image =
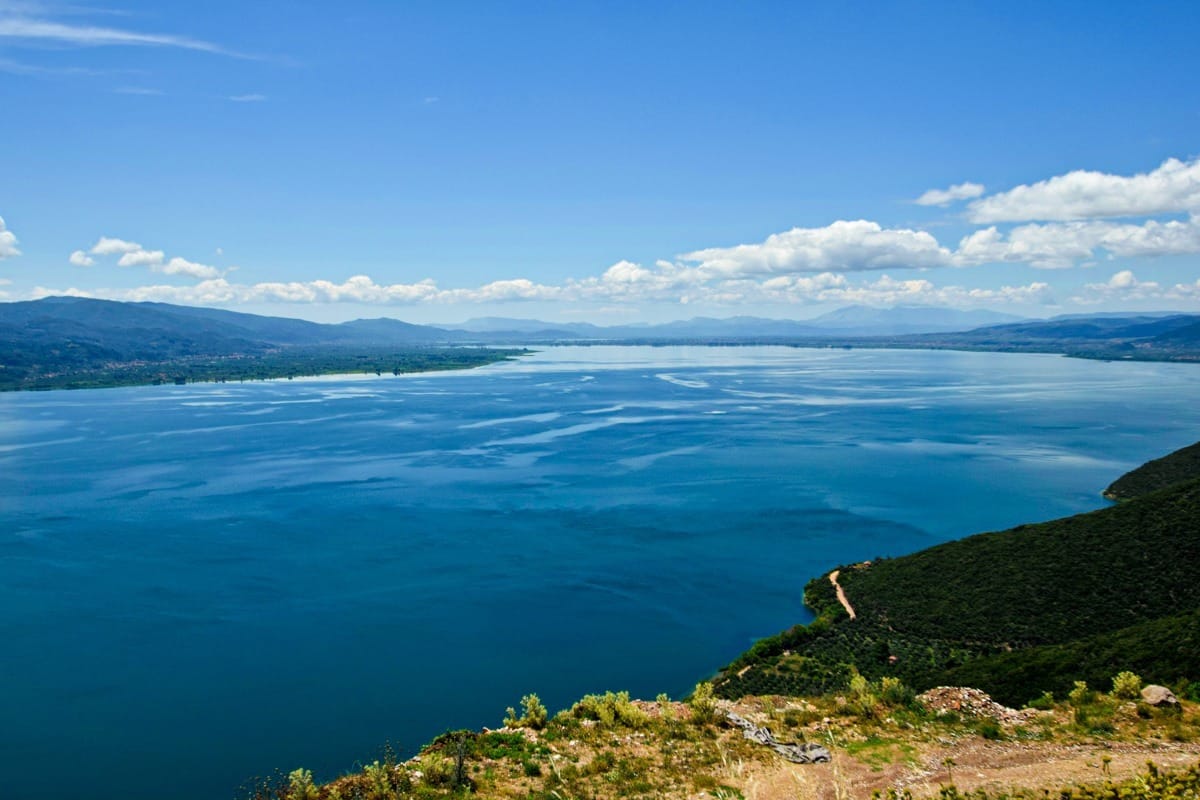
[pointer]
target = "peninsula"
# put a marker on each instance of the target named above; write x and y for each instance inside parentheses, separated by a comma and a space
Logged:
(1078, 639)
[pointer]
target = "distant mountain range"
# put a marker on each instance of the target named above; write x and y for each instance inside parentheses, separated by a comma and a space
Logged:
(849, 321)
(1170, 337)
(151, 331)
(59, 336)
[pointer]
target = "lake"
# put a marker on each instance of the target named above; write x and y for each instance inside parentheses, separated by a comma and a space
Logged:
(203, 583)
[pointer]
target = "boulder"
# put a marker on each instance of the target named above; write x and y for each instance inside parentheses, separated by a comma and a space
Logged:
(1156, 695)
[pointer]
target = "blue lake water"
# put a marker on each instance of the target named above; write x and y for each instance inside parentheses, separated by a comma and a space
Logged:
(203, 583)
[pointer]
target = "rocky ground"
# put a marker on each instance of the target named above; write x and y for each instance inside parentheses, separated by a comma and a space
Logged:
(613, 747)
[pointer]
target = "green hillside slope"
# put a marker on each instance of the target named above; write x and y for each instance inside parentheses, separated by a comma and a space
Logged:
(1014, 612)
(73, 342)
(1182, 465)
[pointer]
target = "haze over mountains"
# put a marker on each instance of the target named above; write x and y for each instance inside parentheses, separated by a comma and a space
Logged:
(61, 336)
(848, 321)
(156, 330)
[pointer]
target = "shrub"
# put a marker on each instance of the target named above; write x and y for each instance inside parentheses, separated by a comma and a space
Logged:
(610, 709)
(535, 715)
(1043, 703)
(863, 701)
(1127, 686)
(665, 709)
(1081, 695)
(990, 729)
(301, 786)
(894, 693)
(703, 704)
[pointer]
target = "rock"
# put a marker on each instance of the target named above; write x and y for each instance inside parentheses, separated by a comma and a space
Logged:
(972, 702)
(803, 753)
(1156, 695)
(797, 753)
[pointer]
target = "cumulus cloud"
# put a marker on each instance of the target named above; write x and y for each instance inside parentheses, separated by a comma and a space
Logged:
(801, 265)
(944, 197)
(791, 289)
(1058, 245)
(8, 242)
(181, 266)
(219, 291)
(107, 246)
(1173, 187)
(1123, 285)
(844, 246)
(1184, 291)
(142, 258)
(832, 288)
(133, 254)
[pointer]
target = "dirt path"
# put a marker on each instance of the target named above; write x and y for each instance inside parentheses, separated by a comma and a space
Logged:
(841, 595)
(995, 767)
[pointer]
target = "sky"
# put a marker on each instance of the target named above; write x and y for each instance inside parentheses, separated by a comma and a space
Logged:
(610, 162)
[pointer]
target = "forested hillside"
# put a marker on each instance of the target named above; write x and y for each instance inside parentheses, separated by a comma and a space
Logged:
(1015, 612)
(1182, 465)
(72, 342)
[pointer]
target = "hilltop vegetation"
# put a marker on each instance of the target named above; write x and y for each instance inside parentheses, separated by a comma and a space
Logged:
(882, 738)
(1016, 613)
(75, 343)
(1177, 467)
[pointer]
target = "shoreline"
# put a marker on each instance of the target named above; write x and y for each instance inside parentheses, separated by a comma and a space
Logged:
(407, 362)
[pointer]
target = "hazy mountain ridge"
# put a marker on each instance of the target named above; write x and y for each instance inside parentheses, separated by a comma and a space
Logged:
(1157, 337)
(851, 320)
(69, 342)
(60, 336)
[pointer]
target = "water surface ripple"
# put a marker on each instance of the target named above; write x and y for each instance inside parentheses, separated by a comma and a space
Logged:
(203, 583)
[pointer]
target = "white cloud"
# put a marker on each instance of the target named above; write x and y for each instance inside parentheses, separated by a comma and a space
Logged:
(25, 28)
(106, 246)
(1184, 291)
(844, 246)
(502, 291)
(219, 291)
(832, 288)
(8, 242)
(1173, 187)
(626, 281)
(181, 266)
(944, 197)
(142, 258)
(1153, 238)
(134, 255)
(248, 98)
(19, 68)
(823, 288)
(1058, 245)
(1123, 285)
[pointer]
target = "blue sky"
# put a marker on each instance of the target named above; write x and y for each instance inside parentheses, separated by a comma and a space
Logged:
(602, 161)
